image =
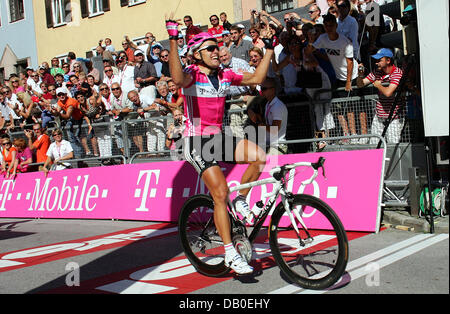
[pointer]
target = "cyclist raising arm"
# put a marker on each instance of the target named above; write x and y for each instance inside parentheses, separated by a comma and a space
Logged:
(204, 89)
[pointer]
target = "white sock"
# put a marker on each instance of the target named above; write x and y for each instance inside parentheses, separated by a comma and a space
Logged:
(230, 250)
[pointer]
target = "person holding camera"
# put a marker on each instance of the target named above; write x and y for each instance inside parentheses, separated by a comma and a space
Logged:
(176, 129)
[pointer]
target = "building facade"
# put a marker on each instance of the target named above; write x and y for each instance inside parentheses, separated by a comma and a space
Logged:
(18, 48)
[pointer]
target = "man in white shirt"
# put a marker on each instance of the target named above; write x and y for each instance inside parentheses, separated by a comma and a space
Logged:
(142, 104)
(58, 151)
(348, 26)
(276, 117)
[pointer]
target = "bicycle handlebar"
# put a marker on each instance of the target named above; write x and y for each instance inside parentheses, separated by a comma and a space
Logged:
(279, 172)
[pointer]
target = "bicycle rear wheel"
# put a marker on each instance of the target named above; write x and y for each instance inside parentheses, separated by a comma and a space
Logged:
(199, 237)
(318, 258)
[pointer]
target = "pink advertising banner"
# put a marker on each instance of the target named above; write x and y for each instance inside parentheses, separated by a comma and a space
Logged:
(156, 191)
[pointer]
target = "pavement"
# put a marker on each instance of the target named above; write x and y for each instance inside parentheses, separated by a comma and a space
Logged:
(403, 220)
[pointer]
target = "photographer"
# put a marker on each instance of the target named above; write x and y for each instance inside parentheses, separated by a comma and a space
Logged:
(176, 129)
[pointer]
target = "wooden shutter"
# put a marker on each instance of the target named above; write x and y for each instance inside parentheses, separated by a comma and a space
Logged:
(105, 4)
(49, 13)
(84, 6)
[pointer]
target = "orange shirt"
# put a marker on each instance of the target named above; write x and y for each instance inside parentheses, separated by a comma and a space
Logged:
(8, 158)
(76, 113)
(41, 145)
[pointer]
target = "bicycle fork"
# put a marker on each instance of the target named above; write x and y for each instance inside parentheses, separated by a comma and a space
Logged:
(286, 198)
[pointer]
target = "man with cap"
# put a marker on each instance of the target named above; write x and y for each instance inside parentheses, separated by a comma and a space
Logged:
(144, 72)
(69, 110)
(385, 73)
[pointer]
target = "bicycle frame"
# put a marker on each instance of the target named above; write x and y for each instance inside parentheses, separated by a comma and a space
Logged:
(278, 178)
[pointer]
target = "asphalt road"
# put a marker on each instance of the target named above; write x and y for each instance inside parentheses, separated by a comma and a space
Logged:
(91, 257)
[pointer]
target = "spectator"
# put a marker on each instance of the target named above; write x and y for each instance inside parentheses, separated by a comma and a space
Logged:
(55, 69)
(24, 155)
(33, 82)
(79, 86)
(126, 73)
(386, 72)
(223, 18)
(291, 60)
(237, 65)
(104, 132)
(154, 59)
(340, 52)
(38, 141)
(256, 41)
(59, 78)
(67, 71)
(45, 75)
(91, 107)
(145, 75)
(348, 26)
(322, 4)
(108, 63)
(94, 72)
(146, 47)
(156, 134)
(176, 129)
(322, 114)
(69, 110)
(9, 155)
(58, 151)
(71, 59)
(191, 29)
(121, 107)
(128, 50)
(110, 78)
(13, 103)
(91, 81)
(77, 69)
(16, 85)
(7, 119)
(240, 47)
(276, 117)
(216, 29)
(104, 53)
(164, 58)
(176, 101)
(108, 45)
(315, 16)
(141, 104)
(226, 38)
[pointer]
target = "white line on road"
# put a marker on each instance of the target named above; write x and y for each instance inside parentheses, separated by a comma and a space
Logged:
(357, 268)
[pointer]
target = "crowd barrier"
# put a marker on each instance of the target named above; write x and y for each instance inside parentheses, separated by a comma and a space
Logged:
(143, 140)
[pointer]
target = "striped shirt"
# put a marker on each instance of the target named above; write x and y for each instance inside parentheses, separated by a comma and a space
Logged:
(384, 104)
(204, 106)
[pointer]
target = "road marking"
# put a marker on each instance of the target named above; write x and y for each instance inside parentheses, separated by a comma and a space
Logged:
(357, 268)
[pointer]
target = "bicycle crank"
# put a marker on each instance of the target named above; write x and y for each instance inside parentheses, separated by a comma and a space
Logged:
(243, 247)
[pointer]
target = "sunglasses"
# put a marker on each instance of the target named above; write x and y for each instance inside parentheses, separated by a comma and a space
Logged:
(209, 48)
(116, 88)
(57, 134)
(104, 88)
(109, 70)
(164, 56)
(4, 144)
(61, 95)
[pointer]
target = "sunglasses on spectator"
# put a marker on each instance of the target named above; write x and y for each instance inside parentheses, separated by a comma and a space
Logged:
(209, 48)
(61, 95)
(164, 56)
(104, 88)
(7, 143)
(311, 12)
(115, 88)
(185, 21)
(57, 134)
(108, 70)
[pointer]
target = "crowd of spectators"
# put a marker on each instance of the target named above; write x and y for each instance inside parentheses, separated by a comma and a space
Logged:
(135, 83)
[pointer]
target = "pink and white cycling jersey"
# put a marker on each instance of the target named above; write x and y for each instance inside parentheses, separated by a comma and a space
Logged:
(204, 106)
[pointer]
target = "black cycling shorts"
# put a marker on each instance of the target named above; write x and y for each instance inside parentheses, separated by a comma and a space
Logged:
(203, 152)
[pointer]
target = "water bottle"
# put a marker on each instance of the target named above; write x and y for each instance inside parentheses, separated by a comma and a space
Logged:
(255, 212)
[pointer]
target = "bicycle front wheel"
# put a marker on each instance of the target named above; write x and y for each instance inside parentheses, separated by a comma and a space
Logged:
(199, 237)
(316, 257)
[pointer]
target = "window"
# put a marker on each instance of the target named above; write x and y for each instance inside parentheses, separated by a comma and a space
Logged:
(91, 8)
(124, 3)
(95, 7)
(272, 6)
(61, 10)
(16, 10)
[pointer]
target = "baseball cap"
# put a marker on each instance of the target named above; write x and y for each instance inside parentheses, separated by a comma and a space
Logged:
(225, 32)
(383, 52)
(137, 52)
(240, 26)
(61, 90)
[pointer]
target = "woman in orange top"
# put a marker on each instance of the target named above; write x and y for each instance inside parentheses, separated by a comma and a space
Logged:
(9, 165)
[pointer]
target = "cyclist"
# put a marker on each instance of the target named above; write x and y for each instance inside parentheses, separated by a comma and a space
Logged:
(204, 86)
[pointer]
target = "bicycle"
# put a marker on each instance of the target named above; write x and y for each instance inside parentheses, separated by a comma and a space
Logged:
(313, 259)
